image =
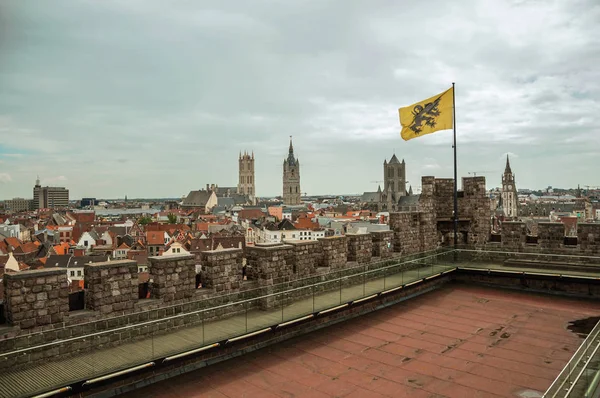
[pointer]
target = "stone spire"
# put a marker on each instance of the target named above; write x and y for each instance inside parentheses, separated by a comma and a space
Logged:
(507, 170)
(291, 160)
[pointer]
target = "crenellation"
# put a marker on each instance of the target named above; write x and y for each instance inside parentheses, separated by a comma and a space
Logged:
(166, 287)
(360, 248)
(551, 236)
(222, 269)
(335, 252)
(112, 287)
(588, 237)
(514, 235)
(307, 255)
(382, 243)
(28, 303)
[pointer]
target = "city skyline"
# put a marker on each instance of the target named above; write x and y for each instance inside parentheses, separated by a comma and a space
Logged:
(164, 100)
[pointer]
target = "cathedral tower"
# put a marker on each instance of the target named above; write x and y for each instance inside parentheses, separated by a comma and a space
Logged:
(291, 178)
(394, 177)
(510, 200)
(246, 175)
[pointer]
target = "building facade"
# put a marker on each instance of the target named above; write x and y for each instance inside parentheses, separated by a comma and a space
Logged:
(291, 179)
(18, 204)
(246, 175)
(49, 197)
(508, 195)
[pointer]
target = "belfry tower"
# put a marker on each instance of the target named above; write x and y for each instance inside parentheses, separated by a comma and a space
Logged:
(246, 175)
(291, 178)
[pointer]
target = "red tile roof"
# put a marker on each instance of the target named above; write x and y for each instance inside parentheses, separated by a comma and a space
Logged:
(249, 214)
(155, 238)
(14, 242)
(61, 249)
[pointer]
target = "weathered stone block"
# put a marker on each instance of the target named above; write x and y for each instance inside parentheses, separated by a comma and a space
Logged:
(107, 284)
(27, 300)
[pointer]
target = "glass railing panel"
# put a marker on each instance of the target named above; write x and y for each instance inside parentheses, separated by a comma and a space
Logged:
(353, 287)
(299, 304)
(327, 295)
(224, 322)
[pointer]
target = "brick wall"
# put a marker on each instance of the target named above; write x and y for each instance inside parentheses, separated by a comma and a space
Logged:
(360, 247)
(36, 298)
(112, 287)
(173, 277)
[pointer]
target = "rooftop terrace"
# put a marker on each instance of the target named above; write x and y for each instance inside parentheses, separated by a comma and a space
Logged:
(458, 341)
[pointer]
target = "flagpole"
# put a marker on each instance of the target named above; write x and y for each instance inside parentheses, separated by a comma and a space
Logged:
(455, 171)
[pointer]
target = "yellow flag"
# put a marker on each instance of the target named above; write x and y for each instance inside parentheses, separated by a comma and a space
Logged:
(428, 116)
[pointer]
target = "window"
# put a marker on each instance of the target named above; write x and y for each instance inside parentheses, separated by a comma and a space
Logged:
(85, 243)
(72, 273)
(78, 273)
(290, 189)
(296, 189)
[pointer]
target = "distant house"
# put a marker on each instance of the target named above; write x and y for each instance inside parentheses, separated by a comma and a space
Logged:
(88, 239)
(175, 248)
(204, 199)
(155, 242)
(74, 265)
(77, 264)
(120, 253)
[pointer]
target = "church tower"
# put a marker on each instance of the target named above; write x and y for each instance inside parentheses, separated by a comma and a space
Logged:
(394, 177)
(246, 175)
(291, 178)
(510, 200)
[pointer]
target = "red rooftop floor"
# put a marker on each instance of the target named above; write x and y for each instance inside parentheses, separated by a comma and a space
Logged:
(459, 341)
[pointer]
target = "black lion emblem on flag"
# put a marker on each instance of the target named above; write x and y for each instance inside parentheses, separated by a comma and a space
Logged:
(425, 116)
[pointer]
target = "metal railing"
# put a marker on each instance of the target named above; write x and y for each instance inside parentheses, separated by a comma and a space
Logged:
(580, 376)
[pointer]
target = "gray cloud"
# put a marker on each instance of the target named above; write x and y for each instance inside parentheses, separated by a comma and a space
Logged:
(154, 98)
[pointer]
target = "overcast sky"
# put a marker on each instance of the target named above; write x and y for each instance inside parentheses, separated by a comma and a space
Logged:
(154, 98)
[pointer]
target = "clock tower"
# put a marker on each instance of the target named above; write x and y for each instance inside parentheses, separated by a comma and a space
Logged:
(510, 199)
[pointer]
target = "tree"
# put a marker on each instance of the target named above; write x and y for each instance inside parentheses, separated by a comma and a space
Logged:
(145, 220)
(172, 218)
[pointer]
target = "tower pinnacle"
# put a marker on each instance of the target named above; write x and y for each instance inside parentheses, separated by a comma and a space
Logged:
(507, 169)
